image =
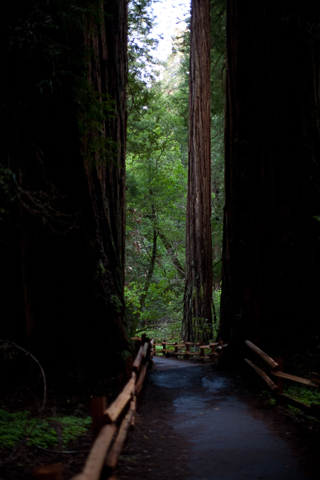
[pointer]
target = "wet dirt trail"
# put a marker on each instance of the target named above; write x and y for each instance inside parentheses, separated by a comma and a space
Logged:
(191, 425)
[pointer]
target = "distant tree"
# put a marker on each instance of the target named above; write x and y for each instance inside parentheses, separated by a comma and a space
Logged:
(62, 151)
(271, 259)
(156, 178)
(197, 317)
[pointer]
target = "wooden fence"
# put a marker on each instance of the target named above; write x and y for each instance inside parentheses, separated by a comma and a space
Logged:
(276, 371)
(110, 425)
(189, 349)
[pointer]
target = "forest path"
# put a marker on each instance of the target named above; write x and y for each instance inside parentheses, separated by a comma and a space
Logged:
(192, 425)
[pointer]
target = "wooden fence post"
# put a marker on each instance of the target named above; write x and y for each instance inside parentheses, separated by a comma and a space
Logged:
(48, 472)
(98, 407)
(279, 380)
(202, 347)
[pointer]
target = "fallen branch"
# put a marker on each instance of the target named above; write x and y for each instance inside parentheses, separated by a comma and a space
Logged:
(37, 362)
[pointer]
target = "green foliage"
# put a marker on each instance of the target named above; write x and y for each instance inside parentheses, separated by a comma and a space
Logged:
(166, 331)
(156, 199)
(40, 432)
(141, 64)
(303, 394)
(270, 399)
(157, 159)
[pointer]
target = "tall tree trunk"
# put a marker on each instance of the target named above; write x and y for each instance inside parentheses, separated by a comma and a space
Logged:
(198, 287)
(271, 259)
(63, 289)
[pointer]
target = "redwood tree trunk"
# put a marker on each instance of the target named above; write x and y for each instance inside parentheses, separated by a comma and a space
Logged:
(63, 238)
(271, 259)
(197, 318)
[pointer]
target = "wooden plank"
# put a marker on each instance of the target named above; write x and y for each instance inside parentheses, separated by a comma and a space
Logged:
(191, 343)
(141, 378)
(168, 343)
(145, 349)
(263, 355)
(133, 406)
(294, 378)
(315, 377)
(279, 380)
(115, 409)
(191, 353)
(263, 375)
(96, 457)
(98, 407)
(114, 453)
(137, 362)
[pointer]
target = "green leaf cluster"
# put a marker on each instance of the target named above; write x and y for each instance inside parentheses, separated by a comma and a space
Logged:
(40, 432)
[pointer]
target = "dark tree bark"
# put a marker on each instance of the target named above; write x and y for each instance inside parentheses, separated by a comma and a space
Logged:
(62, 246)
(271, 259)
(198, 286)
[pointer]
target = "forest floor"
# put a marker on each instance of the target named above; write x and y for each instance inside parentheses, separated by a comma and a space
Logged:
(193, 422)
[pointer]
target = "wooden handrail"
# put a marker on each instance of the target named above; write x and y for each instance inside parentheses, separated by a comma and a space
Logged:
(114, 411)
(263, 355)
(263, 375)
(188, 353)
(97, 455)
(295, 378)
(314, 410)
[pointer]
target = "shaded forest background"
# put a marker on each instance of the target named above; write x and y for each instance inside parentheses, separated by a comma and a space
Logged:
(93, 188)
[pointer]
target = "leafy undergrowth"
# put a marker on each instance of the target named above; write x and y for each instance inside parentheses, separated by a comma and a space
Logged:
(166, 332)
(303, 394)
(46, 433)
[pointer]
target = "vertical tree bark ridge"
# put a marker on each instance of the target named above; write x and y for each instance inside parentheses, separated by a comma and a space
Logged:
(271, 253)
(198, 287)
(106, 176)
